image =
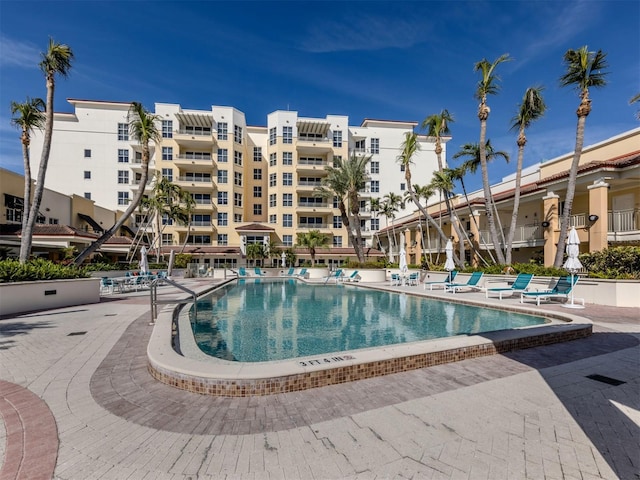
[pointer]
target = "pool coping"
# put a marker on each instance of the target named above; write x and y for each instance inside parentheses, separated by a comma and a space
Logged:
(236, 379)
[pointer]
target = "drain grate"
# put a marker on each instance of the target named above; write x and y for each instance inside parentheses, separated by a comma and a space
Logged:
(73, 334)
(601, 378)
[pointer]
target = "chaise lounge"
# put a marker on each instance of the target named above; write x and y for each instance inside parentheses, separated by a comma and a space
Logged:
(560, 290)
(520, 284)
(472, 283)
(450, 278)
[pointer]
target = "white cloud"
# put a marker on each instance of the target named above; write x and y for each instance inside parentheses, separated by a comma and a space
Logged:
(18, 54)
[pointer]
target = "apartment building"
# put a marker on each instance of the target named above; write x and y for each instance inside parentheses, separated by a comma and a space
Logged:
(249, 183)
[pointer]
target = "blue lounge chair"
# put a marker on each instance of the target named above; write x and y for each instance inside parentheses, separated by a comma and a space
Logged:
(242, 272)
(289, 273)
(396, 279)
(413, 279)
(258, 271)
(472, 283)
(302, 273)
(336, 275)
(354, 277)
(520, 284)
(560, 290)
(450, 278)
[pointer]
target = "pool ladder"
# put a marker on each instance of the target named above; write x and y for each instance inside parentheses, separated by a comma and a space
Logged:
(155, 302)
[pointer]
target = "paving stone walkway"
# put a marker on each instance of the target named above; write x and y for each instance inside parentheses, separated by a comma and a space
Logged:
(531, 414)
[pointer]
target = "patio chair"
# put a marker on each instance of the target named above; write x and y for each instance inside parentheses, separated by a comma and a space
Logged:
(450, 278)
(242, 272)
(396, 279)
(354, 277)
(106, 285)
(289, 273)
(560, 290)
(334, 275)
(520, 284)
(302, 273)
(413, 279)
(472, 283)
(258, 271)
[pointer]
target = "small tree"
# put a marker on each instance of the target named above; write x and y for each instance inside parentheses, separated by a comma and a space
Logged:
(312, 239)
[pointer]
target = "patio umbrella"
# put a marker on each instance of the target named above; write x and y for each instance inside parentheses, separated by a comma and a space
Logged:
(144, 263)
(283, 260)
(572, 265)
(449, 266)
(172, 259)
(403, 260)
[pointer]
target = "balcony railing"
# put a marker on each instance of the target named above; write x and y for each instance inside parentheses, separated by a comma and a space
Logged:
(314, 162)
(312, 205)
(195, 179)
(314, 226)
(201, 223)
(192, 157)
(529, 234)
(624, 220)
(194, 133)
(307, 183)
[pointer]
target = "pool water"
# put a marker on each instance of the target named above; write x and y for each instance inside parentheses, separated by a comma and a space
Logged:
(257, 321)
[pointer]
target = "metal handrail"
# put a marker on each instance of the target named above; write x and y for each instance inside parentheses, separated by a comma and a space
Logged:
(153, 294)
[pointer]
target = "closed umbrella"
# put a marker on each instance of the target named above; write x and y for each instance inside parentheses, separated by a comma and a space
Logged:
(172, 259)
(283, 260)
(449, 266)
(573, 265)
(403, 260)
(144, 263)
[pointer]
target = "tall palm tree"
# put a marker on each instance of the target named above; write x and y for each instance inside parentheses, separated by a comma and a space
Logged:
(27, 116)
(344, 180)
(143, 127)
(408, 149)
(56, 61)
(164, 202)
(584, 70)
(424, 193)
(488, 85)
(531, 109)
(391, 204)
(437, 125)
(188, 203)
(312, 239)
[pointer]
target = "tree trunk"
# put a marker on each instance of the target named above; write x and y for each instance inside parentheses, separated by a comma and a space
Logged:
(26, 203)
(347, 224)
(522, 141)
(27, 233)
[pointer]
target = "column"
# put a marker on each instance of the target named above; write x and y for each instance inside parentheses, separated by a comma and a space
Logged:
(551, 225)
(598, 221)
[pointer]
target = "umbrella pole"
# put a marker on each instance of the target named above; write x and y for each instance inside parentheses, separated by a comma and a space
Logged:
(572, 304)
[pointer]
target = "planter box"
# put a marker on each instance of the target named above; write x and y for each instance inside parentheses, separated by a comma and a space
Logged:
(21, 297)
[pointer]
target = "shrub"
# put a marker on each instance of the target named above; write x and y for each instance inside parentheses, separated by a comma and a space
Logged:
(614, 262)
(182, 260)
(38, 269)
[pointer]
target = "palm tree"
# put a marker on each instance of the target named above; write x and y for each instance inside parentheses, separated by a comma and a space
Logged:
(424, 193)
(56, 61)
(530, 110)
(255, 251)
(409, 148)
(143, 128)
(312, 239)
(188, 203)
(584, 70)
(344, 180)
(437, 125)
(391, 204)
(635, 99)
(488, 86)
(27, 116)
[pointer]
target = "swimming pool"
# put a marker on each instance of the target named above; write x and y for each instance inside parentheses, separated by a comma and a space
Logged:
(262, 321)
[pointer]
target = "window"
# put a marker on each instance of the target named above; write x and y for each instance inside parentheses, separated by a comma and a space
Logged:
(375, 145)
(167, 153)
(273, 219)
(199, 239)
(223, 198)
(123, 176)
(53, 221)
(123, 198)
(375, 167)
(375, 224)
(237, 178)
(123, 132)
(87, 153)
(237, 134)
(287, 179)
(272, 136)
(287, 220)
(223, 219)
(337, 159)
(337, 241)
(273, 202)
(257, 209)
(273, 180)
(237, 218)
(336, 202)
(287, 240)
(200, 220)
(166, 220)
(287, 158)
(257, 174)
(167, 128)
(197, 130)
(197, 155)
(138, 156)
(402, 167)
(257, 192)
(287, 134)
(360, 146)
(167, 238)
(257, 154)
(167, 173)
(403, 187)
(272, 159)
(223, 155)
(197, 177)
(337, 221)
(287, 199)
(223, 239)
(222, 131)
(87, 195)
(201, 198)
(237, 199)
(123, 155)
(14, 207)
(87, 175)
(337, 138)
(223, 176)
(375, 186)
(237, 158)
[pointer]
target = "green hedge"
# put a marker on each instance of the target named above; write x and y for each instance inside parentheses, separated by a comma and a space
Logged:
(38, 269)
(616, 262)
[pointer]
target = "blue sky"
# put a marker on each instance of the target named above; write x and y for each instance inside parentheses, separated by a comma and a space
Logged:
(384, 60)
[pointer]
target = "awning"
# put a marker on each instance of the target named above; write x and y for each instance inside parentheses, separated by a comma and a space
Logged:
(313, 127)
(95, 225)
(194, 120)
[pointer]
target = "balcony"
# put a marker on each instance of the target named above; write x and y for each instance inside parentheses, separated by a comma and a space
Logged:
(204, 206)
(308, 185)
(196, 227)
(314, 145)
(196, 139)
(312, 165)
(195, 184)
(314, 226)
(528, 235)
(194, 164)
(624, 225)
(311, 207)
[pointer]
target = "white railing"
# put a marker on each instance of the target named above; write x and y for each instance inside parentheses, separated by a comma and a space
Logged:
(528, 233)
(624, 220)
